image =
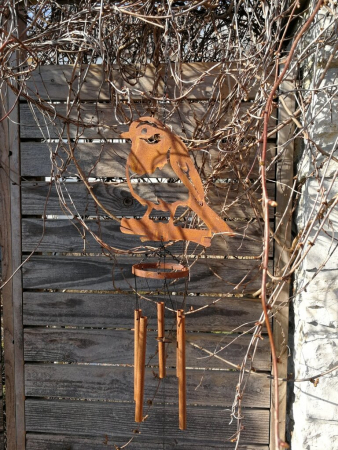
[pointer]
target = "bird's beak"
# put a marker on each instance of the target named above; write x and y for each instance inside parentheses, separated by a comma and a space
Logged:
(125, 135)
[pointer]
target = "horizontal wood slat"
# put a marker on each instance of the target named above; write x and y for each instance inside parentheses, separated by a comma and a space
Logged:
(118, 199)
(115, 311)
(67, 236)
(117, 419)
(52, 82)
(99, 273)
(116, 347)
(99, 121)
(109, 160)
(54, 442)
(207, 388)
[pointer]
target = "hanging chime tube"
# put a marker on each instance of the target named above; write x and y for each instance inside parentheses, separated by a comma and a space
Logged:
(160, 339)
(137, 315)
(182, 401)
(178, 314)
(142, 341)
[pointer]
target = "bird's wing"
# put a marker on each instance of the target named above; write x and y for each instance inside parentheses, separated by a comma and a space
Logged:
(185, 169)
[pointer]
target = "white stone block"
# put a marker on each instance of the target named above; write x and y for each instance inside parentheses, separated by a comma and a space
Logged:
(324, 252)
(323, 131)
(315, 435)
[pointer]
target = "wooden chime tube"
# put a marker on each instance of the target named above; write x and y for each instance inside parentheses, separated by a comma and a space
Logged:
(142, 341)
(137, 315)
(182, 397)
(160, 338)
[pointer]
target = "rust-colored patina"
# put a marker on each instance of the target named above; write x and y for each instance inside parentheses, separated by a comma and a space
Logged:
(154, 146)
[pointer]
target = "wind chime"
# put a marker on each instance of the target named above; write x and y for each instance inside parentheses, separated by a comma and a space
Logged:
(154, 146)
(159, 271)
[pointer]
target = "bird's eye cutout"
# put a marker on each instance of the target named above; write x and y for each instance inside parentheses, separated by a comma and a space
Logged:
(154, 139)
(144, 131)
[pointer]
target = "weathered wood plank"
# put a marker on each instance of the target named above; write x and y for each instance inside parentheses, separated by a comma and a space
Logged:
(207, 275)
(284, 178)
(117, 420)
(67, 236)
(16, 229)
(59, 442)
(1, 402)
(229, 198)
(98, 121)
(206, 388)
(116, 347)
(10, 217)
(115, 310)
(1, 416)
(7, 264)
(109, 160)
(52, 82)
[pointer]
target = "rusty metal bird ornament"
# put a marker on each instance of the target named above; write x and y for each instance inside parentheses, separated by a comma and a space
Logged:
(154, 146)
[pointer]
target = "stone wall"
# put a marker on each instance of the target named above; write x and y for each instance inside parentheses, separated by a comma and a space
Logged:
(315, 339)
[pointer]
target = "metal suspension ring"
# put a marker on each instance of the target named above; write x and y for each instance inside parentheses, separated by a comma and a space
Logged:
(164, 271)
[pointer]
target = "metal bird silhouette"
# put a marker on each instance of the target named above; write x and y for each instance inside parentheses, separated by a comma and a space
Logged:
(154, 146)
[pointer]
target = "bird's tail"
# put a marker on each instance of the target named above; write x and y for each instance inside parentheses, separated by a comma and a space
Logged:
(214, 222)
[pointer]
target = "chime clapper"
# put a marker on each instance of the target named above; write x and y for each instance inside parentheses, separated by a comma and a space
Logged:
(160, 338)
(141, 360)
(182, 401)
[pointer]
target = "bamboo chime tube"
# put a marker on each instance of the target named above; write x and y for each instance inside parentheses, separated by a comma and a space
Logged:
(141, 353)
(182, 401)
(160, 337)
(137, 315)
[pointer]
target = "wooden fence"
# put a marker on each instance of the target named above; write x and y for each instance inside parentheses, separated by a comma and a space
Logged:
(68, 314)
